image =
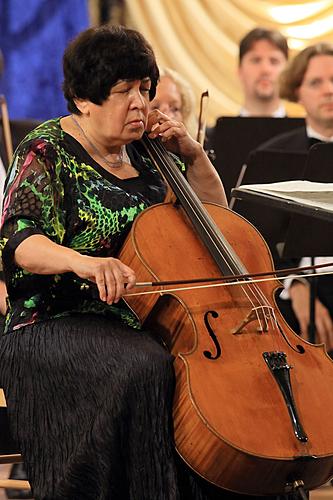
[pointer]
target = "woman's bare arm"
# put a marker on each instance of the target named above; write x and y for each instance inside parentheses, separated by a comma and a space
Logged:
(40, 255)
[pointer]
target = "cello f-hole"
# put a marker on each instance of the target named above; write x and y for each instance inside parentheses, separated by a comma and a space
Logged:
(212, 335)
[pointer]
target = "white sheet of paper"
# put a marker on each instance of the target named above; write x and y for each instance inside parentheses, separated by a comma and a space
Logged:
(316, 194)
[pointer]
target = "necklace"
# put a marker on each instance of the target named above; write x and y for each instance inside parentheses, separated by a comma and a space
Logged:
(112, 164)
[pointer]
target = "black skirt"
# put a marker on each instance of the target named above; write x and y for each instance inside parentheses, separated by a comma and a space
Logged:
(90, 405)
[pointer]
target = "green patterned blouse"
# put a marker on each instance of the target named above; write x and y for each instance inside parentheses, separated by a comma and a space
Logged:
(56, 189)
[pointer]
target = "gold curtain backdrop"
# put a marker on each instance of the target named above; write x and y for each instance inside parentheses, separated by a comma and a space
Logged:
(199, 38)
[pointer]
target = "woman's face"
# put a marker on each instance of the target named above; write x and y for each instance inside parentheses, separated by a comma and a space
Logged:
(122, 117)
(168, 99)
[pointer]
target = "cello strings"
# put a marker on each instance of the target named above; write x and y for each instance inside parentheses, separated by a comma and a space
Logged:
(260, 297)
(213, 232)
(191, 201)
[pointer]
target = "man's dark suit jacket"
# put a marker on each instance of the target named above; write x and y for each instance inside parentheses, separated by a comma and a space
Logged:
(296, 140)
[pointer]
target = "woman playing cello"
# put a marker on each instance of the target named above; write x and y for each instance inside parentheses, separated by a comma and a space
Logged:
(89, 392)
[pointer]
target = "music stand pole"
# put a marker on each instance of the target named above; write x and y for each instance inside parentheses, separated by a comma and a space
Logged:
(313, 295)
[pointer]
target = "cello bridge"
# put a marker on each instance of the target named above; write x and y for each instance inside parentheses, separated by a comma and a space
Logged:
(261, 314)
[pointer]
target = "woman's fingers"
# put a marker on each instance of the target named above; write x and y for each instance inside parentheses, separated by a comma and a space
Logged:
(162, 125)
(110, 285)
(111, 276)
(101, 284)
(118, 279)
(119, 284)
(155, 118)
(130, 279)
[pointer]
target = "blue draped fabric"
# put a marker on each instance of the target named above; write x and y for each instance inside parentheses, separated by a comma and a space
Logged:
(33, 35)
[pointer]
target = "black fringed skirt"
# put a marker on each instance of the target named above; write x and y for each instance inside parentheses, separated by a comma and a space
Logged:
(90, 405)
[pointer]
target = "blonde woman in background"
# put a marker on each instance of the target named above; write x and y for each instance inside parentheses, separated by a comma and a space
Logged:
(175, 97)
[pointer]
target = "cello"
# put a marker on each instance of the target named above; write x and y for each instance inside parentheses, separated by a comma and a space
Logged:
(253, 401)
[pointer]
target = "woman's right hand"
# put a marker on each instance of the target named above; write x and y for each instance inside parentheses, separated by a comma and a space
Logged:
(38, 254)
(112, 277)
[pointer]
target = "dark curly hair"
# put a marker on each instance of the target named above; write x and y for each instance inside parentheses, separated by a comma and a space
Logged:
(98, 57)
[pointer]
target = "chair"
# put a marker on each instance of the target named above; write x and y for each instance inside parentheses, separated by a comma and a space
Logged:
(17, 129)
(9, 453)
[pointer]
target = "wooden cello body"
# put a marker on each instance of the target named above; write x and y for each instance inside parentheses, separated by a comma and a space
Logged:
(253, 401)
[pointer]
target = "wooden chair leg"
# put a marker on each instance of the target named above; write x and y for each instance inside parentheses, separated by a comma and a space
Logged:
(16, 484)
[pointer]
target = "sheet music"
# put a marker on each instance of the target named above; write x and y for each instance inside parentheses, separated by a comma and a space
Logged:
(314, 194)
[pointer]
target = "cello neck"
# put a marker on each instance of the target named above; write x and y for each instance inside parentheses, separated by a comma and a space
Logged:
(209, 233)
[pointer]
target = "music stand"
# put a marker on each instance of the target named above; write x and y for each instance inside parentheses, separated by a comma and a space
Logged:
(234, 137)
(297, 243)
(318, 168)
(269, 166)
(19, 129)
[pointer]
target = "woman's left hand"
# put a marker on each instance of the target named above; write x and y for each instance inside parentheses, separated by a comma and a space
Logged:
(174, 135)
(200, 173)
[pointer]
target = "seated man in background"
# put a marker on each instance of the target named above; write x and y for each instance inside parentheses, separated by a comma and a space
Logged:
(263, 54)
(308, 80)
